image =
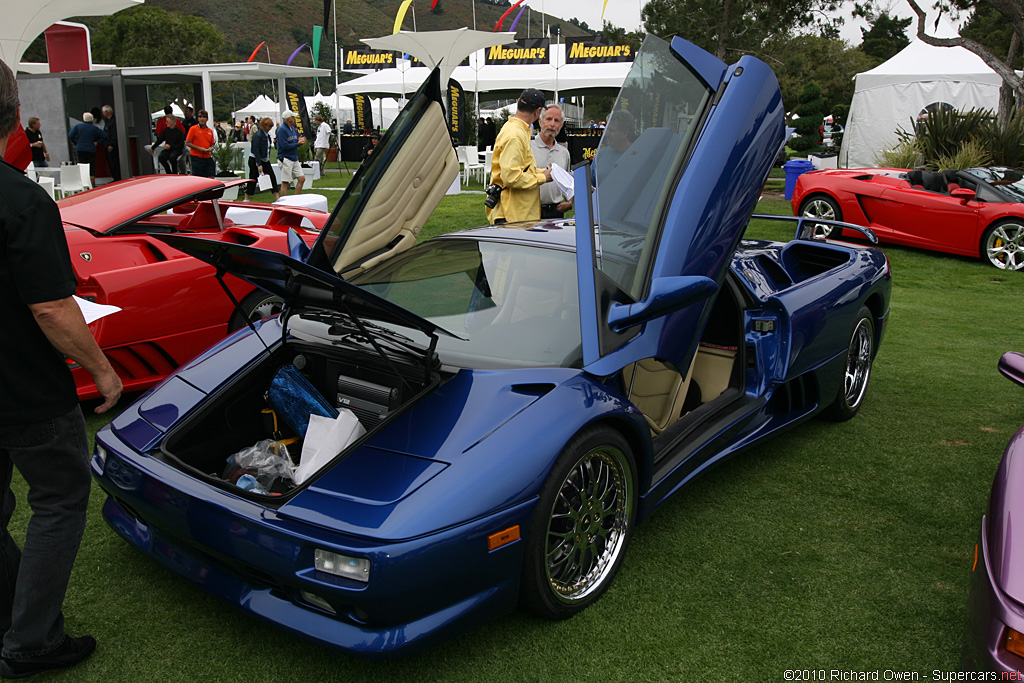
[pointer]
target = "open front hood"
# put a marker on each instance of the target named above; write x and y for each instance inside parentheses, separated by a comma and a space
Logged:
(109, 207)
(299, 284)
(395, 191)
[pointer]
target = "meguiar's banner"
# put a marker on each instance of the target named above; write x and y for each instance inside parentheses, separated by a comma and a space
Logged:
(367, 58)
(455, 105)
(364, 114)
(297, 103)
(523, 51)
(592, 49)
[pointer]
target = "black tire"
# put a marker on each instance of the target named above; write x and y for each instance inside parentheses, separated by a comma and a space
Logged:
(256, 306)
(1002, 244)
(581, 526)
(822, 206)
(860, 354)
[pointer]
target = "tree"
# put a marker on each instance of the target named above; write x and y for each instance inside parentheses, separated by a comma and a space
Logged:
(1012, 14)
(728, 27)
(831, 64)
(886, 37)
(144, 36)
(808, 126)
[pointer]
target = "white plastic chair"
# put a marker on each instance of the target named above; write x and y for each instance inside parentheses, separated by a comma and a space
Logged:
(488, 158)
(70, 180)
(30, 171)
(47, 184)
(86, 179)
(469, 161)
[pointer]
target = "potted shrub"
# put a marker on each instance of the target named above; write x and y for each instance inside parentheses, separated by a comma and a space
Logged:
(229, 160)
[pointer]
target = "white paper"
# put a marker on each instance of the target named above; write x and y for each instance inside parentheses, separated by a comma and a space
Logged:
(263, 182)
(93, 311)
(564, 180)
(324, 439)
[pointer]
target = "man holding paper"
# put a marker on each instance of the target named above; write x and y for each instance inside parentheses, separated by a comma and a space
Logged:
(549, 153)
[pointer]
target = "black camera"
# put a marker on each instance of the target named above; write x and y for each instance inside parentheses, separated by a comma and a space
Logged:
(493, 195)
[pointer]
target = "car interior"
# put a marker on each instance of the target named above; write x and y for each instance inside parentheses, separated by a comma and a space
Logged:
(665, 396)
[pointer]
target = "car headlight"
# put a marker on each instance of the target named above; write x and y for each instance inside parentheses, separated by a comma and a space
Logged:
(1015, 642)
(100, 456)
(355, 568)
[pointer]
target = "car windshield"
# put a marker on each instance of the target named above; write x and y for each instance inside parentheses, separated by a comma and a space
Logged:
(515, 305)
(1009, 180)
(639, 158)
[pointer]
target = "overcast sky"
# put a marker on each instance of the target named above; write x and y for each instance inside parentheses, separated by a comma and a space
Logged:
(626, 13)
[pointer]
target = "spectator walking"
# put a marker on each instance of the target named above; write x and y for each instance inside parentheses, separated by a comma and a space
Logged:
(259, 160)
(322, 142)
(288, 141)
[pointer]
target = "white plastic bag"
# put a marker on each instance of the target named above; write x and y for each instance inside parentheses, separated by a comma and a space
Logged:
(263, 182)
(324, 439)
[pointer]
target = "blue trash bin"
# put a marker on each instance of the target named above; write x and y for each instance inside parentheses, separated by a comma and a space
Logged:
(794, 168)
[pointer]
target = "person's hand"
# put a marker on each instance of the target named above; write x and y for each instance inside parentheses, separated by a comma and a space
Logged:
(563, 207)
(547, 175)
(166, 146)
(110, 149)
(47, 156)
(108, 384)
(302, 139)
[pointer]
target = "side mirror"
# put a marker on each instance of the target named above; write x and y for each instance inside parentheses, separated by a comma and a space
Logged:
(667, 294)
(963, 194)
(1012, 366)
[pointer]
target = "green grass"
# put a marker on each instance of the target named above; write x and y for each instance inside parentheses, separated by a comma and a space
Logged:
(835, 546)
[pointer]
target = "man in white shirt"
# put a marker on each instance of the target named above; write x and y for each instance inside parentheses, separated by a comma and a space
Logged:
(548, 151)
(322, 142)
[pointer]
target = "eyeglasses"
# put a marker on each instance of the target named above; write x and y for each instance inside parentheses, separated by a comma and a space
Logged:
(203, 116)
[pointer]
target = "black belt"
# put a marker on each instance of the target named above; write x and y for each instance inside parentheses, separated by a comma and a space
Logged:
(548, 207)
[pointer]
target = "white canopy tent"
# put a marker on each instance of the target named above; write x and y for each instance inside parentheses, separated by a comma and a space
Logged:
(385, 109)
(260, 107)
(24, 21)
(893, 94)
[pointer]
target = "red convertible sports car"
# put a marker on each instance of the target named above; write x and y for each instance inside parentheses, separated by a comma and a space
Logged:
(973, 212)
(172, 305)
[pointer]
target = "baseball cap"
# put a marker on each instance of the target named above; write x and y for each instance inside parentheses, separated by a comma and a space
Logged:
(532, 98)
(288, 114)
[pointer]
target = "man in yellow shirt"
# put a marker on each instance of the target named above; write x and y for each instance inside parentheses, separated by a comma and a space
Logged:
(513, 167)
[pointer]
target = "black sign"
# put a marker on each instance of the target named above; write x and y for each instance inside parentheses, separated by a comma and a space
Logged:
(367, 58)
(456, 106)
(297, 103)
(595, 49)
(523, 51)
(364, 114)
(416, 61)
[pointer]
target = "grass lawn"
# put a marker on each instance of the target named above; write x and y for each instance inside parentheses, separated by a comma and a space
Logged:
(834, 546)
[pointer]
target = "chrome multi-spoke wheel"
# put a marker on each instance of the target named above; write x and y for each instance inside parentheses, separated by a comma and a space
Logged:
(582, 525)
(820, 206)
(1003, 245)
(256, 306)
(857, 371)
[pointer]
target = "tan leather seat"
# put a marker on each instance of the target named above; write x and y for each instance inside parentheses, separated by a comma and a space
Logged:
(712, 369)
(658, 390)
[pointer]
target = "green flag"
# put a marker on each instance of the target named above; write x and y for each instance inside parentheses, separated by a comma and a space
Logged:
(317, 32)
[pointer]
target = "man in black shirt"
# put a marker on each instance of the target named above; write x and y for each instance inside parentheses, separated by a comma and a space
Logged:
(42, 430)
(40, 156)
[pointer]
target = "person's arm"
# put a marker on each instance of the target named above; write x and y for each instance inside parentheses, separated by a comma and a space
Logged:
(190, 137)
(62, 323)
(513, 163)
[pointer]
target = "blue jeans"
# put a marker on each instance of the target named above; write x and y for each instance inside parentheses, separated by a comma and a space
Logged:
(53, 457)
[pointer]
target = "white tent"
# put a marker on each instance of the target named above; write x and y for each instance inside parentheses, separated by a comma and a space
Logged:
(893, 94)
(260, 107)
(385, 110)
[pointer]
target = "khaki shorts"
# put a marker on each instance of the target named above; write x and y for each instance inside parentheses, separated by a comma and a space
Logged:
(290, 170)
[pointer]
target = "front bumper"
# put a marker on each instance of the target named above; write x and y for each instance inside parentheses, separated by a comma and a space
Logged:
(421, 590)
(990, 613)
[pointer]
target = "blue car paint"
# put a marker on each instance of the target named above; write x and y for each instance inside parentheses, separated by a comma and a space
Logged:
(470, 457)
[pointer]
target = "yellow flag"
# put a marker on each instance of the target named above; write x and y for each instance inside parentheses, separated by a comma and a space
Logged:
(400, 17)
(603, 9)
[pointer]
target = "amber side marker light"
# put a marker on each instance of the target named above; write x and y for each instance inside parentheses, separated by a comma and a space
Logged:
(1015, 642)
(495, 541)
(975, 565)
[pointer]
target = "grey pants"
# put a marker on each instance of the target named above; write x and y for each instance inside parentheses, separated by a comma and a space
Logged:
(53, 457)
